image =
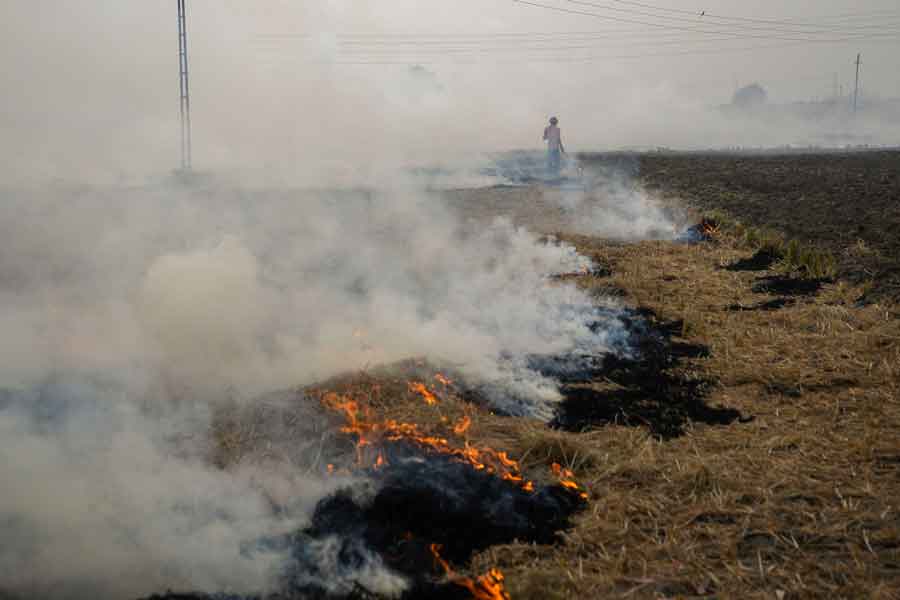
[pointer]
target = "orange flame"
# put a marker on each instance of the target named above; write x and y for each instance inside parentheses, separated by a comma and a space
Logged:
(430, 399)
(484, 587)
(438, 559)
(370, 433)
(443, 380)
(462, 425)
(709, 227)
(567, 479)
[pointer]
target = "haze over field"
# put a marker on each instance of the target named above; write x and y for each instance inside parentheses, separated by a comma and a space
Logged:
(136, 304)
(91, 88)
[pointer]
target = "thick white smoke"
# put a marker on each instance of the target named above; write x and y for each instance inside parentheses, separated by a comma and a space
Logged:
(133, 309)
(614, 205)
(132, 313)
(95, 505)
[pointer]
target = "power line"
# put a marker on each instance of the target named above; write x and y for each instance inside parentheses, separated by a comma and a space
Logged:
(531, 38)
(502, 36)
(790, 21)
(651, 24)
(380, 51)
(538, 42)
(396, 46)
(568, 60)
(779, 26)
(550, 50)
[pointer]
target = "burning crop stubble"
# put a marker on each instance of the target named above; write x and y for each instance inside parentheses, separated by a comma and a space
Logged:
(133, 313)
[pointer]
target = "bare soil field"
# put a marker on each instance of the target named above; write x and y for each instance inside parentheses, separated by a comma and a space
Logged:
(848, 204)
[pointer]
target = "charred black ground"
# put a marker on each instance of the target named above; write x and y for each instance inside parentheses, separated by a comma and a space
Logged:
(642, 390)
(424, 500)
(761, 260)
(394, 514)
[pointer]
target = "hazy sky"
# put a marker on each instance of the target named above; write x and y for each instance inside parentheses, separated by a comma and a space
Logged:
(123, 301)
(281, 80)
(779, 57)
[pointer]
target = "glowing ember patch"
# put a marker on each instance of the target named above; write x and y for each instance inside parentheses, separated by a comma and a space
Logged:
(462, 425)
(485, 587)
(506, 460)
(567, 479)
(430, 399)
(443, 380)
(380, 444)
(371, 433)
(438, 560)
(709, 228)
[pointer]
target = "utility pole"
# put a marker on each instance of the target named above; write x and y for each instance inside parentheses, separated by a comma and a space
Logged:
(185, 88)
(856, 87)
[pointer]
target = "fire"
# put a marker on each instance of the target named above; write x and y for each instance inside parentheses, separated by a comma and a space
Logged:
(438, 559)
(508, 462)
(443, 380)
(371, 433)
(485, 587)
(420, 388)
(462, 425)
(567, 479)
(709, 228)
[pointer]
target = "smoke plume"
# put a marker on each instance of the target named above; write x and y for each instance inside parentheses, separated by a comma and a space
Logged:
(133, 313)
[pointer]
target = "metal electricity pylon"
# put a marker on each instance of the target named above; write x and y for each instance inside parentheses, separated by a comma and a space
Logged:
(185, 88)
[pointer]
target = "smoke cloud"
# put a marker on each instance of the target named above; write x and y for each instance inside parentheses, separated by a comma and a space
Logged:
(312, 242)
(135, 313)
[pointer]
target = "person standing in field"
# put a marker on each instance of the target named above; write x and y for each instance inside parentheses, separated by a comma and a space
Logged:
(553, 137)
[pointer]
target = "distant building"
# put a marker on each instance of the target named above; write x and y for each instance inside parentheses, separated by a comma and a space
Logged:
(750, 97)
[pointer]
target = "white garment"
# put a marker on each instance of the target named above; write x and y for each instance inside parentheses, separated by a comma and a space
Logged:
(553, 135)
